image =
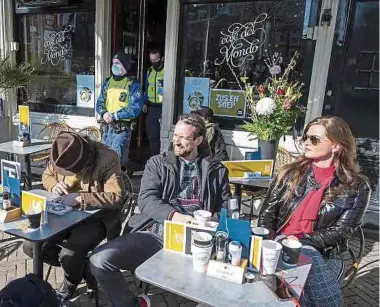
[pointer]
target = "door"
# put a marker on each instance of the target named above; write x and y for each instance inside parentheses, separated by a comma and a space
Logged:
(137, 27)
(352, 90)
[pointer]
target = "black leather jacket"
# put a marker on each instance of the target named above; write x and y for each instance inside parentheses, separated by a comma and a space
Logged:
(336, 221)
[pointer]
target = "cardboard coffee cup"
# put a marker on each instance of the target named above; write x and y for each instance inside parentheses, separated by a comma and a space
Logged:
(34, 219)
(202, 216)
(201, 248)
(291, 251)
(271, 251)
(261, 232)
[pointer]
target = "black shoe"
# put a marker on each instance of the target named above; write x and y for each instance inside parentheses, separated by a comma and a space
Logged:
(90, 279)
(66, 291)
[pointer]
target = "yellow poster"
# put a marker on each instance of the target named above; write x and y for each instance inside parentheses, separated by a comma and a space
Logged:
(174, 237)
(31, 201)
(1, 188)
(261, 168)
(24, 115)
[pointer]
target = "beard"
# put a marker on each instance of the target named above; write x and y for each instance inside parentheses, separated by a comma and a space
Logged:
(180, 151)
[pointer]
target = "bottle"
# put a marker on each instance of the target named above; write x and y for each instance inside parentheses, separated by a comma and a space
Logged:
(233, 208)
(221, 242)
(234, 249)
(6, 200)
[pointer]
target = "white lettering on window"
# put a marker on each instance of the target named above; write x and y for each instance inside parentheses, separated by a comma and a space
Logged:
(57, 45)
(241, 42)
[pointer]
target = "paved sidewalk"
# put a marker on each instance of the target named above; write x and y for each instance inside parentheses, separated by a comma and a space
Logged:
(14, 264)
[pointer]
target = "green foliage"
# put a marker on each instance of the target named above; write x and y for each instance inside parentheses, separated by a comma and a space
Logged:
(14, 76)
(285, 93)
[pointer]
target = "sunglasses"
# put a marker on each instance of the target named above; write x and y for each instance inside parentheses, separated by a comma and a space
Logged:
(315, 140)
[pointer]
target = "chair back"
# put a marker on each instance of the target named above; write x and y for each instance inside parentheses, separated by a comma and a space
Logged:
(283, 157)
(50, 131)
(92, 132)
(130, 198)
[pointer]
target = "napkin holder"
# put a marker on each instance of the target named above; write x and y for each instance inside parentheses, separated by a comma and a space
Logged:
(9, 215)
(227, 271)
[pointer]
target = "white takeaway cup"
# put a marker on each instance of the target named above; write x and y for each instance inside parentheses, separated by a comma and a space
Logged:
(201, 248)
(271, 251)
(202, 216)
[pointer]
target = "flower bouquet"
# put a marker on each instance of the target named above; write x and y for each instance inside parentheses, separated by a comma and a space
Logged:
(274, 104)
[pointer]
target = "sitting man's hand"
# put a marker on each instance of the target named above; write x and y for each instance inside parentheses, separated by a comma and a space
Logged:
(72, 200)
(60, 188)
(145, 108)
(182, 218)
(108, 117)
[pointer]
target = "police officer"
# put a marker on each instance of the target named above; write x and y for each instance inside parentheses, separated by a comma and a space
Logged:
(119, 104)
(154, 87)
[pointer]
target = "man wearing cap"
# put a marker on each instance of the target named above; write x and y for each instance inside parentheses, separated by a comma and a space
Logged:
(87, 175)
(119, 104)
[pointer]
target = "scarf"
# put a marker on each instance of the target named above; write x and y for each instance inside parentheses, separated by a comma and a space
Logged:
(307, 211)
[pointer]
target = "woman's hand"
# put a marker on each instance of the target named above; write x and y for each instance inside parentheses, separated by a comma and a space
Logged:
(291, 237)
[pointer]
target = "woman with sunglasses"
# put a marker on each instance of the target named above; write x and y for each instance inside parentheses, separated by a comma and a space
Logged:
(320, 200)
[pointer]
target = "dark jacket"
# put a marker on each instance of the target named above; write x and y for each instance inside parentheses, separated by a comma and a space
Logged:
(160, 184)
(215, 140)
(337, 219)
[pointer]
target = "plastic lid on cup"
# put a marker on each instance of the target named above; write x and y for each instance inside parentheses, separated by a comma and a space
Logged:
(202, 238)
(249, 277)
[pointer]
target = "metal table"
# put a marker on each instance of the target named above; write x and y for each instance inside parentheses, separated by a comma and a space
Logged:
(55, 226)
(35, 146)
(174, 273)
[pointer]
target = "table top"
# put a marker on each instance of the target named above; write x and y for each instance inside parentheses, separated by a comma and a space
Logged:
(262, 183)
(56, 223)
(35, 146)
(174, 273)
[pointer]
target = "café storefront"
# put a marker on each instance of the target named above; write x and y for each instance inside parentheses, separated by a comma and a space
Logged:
(209, 46)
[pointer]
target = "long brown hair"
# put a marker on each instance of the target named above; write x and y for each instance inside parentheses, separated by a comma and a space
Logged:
(338, 132)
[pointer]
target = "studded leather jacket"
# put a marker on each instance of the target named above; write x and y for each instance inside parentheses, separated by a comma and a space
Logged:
(336, 221)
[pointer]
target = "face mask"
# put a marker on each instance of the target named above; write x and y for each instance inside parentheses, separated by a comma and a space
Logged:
(118, 70)
(156, 65)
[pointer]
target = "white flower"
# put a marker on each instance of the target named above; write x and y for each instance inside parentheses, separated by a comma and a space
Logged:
(265, 106)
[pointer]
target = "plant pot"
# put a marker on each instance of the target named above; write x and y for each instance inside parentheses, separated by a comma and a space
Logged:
(268, 149)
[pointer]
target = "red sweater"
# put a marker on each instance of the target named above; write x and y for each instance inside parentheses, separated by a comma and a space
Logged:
(307, 211)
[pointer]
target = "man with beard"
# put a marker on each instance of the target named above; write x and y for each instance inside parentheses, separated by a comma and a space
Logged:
(173, 186)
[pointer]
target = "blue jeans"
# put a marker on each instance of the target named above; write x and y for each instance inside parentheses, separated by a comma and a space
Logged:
(322, 286)
(118, 141)
(123, 253)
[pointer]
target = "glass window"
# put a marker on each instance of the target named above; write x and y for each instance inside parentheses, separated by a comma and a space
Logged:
(221, 43)
(62, 49)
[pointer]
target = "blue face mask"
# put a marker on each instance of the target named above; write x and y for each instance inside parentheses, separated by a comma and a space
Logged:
(118, 70)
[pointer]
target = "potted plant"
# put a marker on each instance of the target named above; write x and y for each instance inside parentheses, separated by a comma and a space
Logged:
(274, 105)
(14, 76)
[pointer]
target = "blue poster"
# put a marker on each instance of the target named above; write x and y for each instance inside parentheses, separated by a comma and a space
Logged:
(86, 91)
(195, 93)
(11, 180)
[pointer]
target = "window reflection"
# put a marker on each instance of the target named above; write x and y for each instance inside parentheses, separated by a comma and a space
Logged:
(62, 49)
(225, 42)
